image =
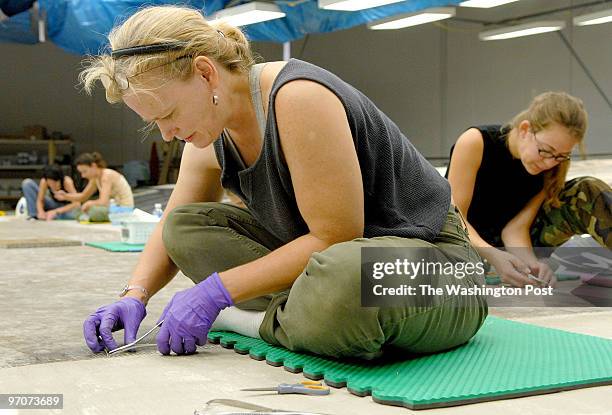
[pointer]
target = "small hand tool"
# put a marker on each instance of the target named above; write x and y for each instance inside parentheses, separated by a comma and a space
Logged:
(307, 387)
(134, 345)
(533, 277)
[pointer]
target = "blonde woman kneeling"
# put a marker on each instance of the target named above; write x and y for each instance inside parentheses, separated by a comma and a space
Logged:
(323, 173)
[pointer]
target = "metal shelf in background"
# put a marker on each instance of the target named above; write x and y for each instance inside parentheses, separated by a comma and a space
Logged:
(30, 142)
(23, 167)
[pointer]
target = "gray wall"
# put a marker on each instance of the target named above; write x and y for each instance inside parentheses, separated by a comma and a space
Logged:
(432, 80)
(38, 85)
(436, 80)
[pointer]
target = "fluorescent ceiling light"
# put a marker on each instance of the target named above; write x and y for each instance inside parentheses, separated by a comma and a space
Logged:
(250, 13)
(413, 19)
(485, 4)
(352, 5)
(604, 16)
(527, 29)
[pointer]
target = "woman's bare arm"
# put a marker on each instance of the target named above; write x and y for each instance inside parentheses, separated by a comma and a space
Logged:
(198, 181)
(326, 177)
(516, 235)
(465, 162)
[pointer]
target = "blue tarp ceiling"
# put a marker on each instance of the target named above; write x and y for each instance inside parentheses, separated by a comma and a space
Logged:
(80, 26)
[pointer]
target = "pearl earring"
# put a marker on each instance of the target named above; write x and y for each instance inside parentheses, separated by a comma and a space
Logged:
(215, 100)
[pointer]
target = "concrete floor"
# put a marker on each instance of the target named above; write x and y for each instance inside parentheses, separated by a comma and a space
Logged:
(46, 293)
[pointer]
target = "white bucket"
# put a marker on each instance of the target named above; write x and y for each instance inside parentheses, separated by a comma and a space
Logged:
(21, 210)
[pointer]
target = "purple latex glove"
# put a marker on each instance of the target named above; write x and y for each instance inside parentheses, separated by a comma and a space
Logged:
(189, 315)
(126, 313)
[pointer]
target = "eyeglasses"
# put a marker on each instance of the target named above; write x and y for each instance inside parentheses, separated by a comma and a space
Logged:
(123, 81)
(545, 154)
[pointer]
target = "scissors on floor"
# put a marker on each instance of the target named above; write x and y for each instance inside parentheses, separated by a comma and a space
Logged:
(307, 387)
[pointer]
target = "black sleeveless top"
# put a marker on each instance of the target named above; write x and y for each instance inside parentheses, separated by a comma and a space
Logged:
(61, 202)
(403, 194)
(502, 188)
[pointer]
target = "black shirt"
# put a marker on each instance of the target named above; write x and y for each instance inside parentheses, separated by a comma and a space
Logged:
(403, 194)
(502, 187)
(62, 187)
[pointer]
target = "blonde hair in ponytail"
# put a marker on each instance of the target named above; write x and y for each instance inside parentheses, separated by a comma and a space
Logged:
(217, 40)
(555, 108)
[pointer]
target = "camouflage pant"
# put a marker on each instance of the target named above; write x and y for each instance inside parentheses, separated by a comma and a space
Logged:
(586, 207)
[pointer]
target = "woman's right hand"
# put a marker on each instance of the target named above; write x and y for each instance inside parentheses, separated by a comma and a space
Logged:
(511, 269)
(126, 314)
(86, 206)
(60, 195)
(41, 215)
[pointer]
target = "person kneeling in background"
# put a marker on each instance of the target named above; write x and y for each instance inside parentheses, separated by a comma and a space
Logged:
(42, 200)
(109, 183)
(510, 182)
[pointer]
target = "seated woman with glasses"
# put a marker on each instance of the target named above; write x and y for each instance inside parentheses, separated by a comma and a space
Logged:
(509, 181)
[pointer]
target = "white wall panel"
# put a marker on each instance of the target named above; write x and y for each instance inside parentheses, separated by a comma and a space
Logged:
(432, 80)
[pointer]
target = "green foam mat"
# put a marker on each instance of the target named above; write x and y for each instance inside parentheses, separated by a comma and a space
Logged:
(505, 359)
(117, 246)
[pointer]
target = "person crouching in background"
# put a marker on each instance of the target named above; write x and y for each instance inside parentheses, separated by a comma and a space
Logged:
(42, 199)
(109, 183)
(510, 183)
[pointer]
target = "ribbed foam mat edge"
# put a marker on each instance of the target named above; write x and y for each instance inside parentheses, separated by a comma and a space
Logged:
(506, 359)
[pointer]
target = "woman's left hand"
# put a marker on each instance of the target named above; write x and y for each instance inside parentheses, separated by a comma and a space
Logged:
(86, 206)
(190, 314)
(542, 271)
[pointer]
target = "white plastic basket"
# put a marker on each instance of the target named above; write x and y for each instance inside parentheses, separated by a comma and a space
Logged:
(136, 232)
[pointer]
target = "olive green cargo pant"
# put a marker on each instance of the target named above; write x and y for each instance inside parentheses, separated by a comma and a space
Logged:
(322, 311)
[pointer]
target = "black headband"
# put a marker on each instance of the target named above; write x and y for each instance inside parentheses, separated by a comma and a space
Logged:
(147, 49)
